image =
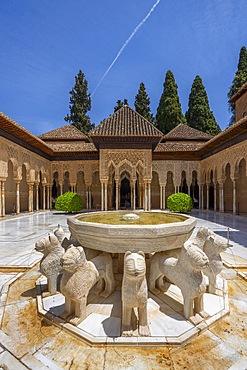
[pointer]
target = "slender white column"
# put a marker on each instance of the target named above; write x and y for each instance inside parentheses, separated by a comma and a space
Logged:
(215, 198)
(61, 188)
(30, 197)
(3, 199)
(145, 197)
(140, 196)
(134, 195)
(149, 196)
(202, 197)
(49, 196)
(90, 198)
(17, 197)
(161, 197)
(105, 196)
(43, 186)
(207, 185)
(102, 196)
(164, 197)
(234, 208)
(116, 200)
(221, 201)
(87, 199)
(37, 197)
(1, 208)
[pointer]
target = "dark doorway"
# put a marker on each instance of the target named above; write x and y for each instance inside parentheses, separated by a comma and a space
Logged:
(211, 197)
(125, 193)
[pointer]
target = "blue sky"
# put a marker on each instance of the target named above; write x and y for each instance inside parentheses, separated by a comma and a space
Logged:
(45, 43)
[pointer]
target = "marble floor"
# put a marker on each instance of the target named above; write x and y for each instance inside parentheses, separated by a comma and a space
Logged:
(35, 347)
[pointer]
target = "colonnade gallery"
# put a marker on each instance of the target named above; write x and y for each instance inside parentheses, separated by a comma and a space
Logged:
(125, 163)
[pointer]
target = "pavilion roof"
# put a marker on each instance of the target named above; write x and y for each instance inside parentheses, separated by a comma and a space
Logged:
(125, 122)
(184, 132)
(66, 132)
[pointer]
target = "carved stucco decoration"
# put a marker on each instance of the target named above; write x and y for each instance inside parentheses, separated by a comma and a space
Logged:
(135, 159)
(176, 167)
(219, 161)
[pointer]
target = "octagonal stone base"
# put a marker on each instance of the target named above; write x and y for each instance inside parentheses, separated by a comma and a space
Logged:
(165, 314)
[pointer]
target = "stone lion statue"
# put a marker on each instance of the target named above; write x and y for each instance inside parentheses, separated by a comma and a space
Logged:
(134, 293)
(185, 272)
(50, 263)
(79, 276)
(212, 245)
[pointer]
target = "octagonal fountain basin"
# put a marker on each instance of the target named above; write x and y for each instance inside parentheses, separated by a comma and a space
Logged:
(118, 232)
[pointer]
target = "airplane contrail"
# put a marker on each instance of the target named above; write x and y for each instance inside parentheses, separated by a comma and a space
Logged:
(125, 44)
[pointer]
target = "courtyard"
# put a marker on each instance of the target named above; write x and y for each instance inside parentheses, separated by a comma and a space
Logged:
(29, 341)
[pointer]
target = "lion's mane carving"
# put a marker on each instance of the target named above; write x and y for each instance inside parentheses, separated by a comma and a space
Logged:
(212, 245)
(184, 272)
(79, 276)
(134, 293)
(50, 263)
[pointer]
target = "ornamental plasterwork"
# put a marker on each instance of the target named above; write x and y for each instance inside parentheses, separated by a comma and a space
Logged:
(131, 156)
(176, 167)
(88, 167)
(219, 161)
(12, 152)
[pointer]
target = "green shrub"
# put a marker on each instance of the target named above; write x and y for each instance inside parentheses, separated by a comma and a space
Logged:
(179, 202)
(69, 202)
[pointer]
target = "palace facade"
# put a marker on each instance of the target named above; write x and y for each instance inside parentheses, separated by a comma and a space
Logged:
(125, 163)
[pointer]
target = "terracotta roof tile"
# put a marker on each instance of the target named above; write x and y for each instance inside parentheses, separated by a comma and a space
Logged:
(67, 132)
(184, 132)
(72, 147)
(125, 122)
(177, 147)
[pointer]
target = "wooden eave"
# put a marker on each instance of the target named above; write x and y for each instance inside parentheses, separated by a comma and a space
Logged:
(239, 93)
(176, 156)
(12, 131)
(130, 142)
(231, 136)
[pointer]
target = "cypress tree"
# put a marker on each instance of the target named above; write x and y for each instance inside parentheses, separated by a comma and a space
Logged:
(238, 81)
(199, 115)
(80, 104)
(142, 103)
(120, 104)
(169, 113)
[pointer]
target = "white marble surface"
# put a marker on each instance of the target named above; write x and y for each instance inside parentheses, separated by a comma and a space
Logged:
(104, 320)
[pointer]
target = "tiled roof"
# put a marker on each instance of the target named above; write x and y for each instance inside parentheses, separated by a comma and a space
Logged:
(177, 147)
(13, 128)
(125, 122)
(67, 132)
(184, 132)
(72, 147)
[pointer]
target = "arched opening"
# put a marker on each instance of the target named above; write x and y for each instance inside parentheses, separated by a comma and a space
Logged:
(228, 190)
(10, 193)
(183, 187)
(241, 188)
(155, 191)
(55, 186)
(40, 190)
(211, 191)
(170, 188)
(194, 190)
(125, 192)
(81, 187)
(66, 182)
(96, 190)
(24, 191)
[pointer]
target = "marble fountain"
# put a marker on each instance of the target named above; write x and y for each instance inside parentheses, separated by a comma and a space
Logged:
(131, 282)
